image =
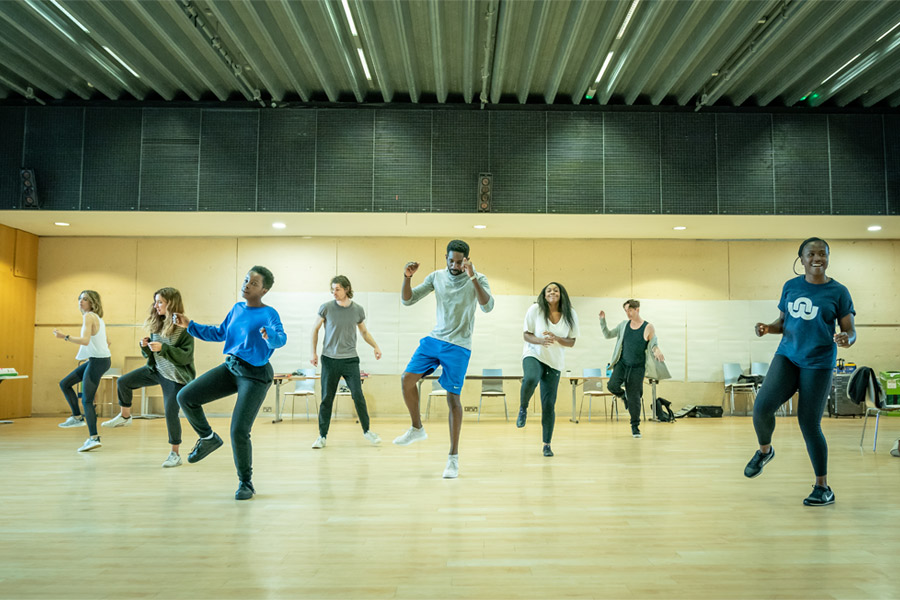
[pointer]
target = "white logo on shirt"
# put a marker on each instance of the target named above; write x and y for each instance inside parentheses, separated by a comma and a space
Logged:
(802, 308)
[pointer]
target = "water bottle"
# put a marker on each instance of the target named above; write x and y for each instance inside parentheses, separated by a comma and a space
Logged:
(608, 370)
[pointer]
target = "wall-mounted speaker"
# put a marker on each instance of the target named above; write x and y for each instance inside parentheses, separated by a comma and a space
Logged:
(29, 195)
(485, 191)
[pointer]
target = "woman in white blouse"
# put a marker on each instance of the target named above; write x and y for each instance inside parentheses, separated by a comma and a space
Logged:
(94, 350)
(551, 326)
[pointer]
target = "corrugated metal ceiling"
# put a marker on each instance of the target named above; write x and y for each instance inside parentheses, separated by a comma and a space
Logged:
(766, 53)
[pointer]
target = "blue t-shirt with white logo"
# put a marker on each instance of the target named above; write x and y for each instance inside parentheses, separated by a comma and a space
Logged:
(812, 313)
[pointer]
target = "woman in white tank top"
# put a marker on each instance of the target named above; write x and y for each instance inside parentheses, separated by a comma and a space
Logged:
(94, 349)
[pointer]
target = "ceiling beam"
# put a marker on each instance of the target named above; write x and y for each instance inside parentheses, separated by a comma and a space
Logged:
(373, 45)
(575, 18)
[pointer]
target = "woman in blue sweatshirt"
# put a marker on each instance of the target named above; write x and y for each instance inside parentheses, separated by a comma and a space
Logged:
(251, 332)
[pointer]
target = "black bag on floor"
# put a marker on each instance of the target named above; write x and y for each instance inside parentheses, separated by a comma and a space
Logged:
(664, 412)
(700, 412)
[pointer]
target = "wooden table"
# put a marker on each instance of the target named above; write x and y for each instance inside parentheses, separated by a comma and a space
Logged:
(4, 379)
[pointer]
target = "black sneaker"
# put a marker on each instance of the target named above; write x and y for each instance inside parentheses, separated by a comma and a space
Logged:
(204, 447)
(635, 432)
(756, 464)
(520, 420)
(820, 496)
(245, 491)
(547, 451)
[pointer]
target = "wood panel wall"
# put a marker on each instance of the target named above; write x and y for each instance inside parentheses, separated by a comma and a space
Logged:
(18, 289)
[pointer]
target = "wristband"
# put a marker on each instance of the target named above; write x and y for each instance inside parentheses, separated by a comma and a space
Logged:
(66, 338)
(472, 278)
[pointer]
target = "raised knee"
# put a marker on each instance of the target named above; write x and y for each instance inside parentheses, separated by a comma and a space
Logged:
(409, 379)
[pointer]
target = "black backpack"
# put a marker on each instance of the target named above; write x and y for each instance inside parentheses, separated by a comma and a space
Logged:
(664, 412)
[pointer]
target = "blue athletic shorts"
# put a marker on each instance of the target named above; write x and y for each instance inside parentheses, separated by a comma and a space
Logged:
(453, 359)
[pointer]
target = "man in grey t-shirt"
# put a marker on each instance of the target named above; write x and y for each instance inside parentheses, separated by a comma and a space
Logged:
(341, 317)
(458, 290)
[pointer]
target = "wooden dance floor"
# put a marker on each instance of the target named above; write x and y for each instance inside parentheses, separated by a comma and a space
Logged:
(667, 516)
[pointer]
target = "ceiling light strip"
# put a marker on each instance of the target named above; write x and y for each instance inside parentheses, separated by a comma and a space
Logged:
(627, 19)
(82, 27)
(121, 62)
(842, 67)
(365, 65)
(603, 68)
(887, 32)
(349, 18)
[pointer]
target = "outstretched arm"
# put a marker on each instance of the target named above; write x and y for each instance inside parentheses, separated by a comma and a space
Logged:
(90, 325)
(606, 332)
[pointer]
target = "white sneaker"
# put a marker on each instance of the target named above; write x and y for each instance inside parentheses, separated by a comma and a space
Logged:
(372, 437)
(413, 435)
(73, 422)
(319, 443)
(895, 451)
(452, 470)
(90, 444)
(117, 421)
(173, 461)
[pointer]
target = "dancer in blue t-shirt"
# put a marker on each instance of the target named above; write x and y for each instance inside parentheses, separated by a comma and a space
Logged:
(810, 306)
(251, 332)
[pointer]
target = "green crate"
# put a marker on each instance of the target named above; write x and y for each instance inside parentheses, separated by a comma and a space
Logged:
(890, 381)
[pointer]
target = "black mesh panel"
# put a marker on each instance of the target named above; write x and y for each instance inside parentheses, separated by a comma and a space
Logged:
(12, 133)
(460, 151)
(518, 147)
(688, 164)
(801, 165)
(402, 161)
(112, 159)
(53, 143)
(892, 162)
(344, 161)
(746, 184)
(228, 143)
(170, 156)
(575, 162)
(287, 160)
(857, 165)
(632, 163)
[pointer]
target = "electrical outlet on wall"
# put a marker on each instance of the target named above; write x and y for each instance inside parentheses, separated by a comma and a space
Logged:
(470, 408)
(267, 409)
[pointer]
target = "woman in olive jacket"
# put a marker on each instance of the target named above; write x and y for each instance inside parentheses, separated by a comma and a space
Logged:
(170, 364)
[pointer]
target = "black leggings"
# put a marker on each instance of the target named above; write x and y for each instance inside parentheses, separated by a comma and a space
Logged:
(88, 374)
(782, 380)
(144, 377)
(534, 372)
(250, 383)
